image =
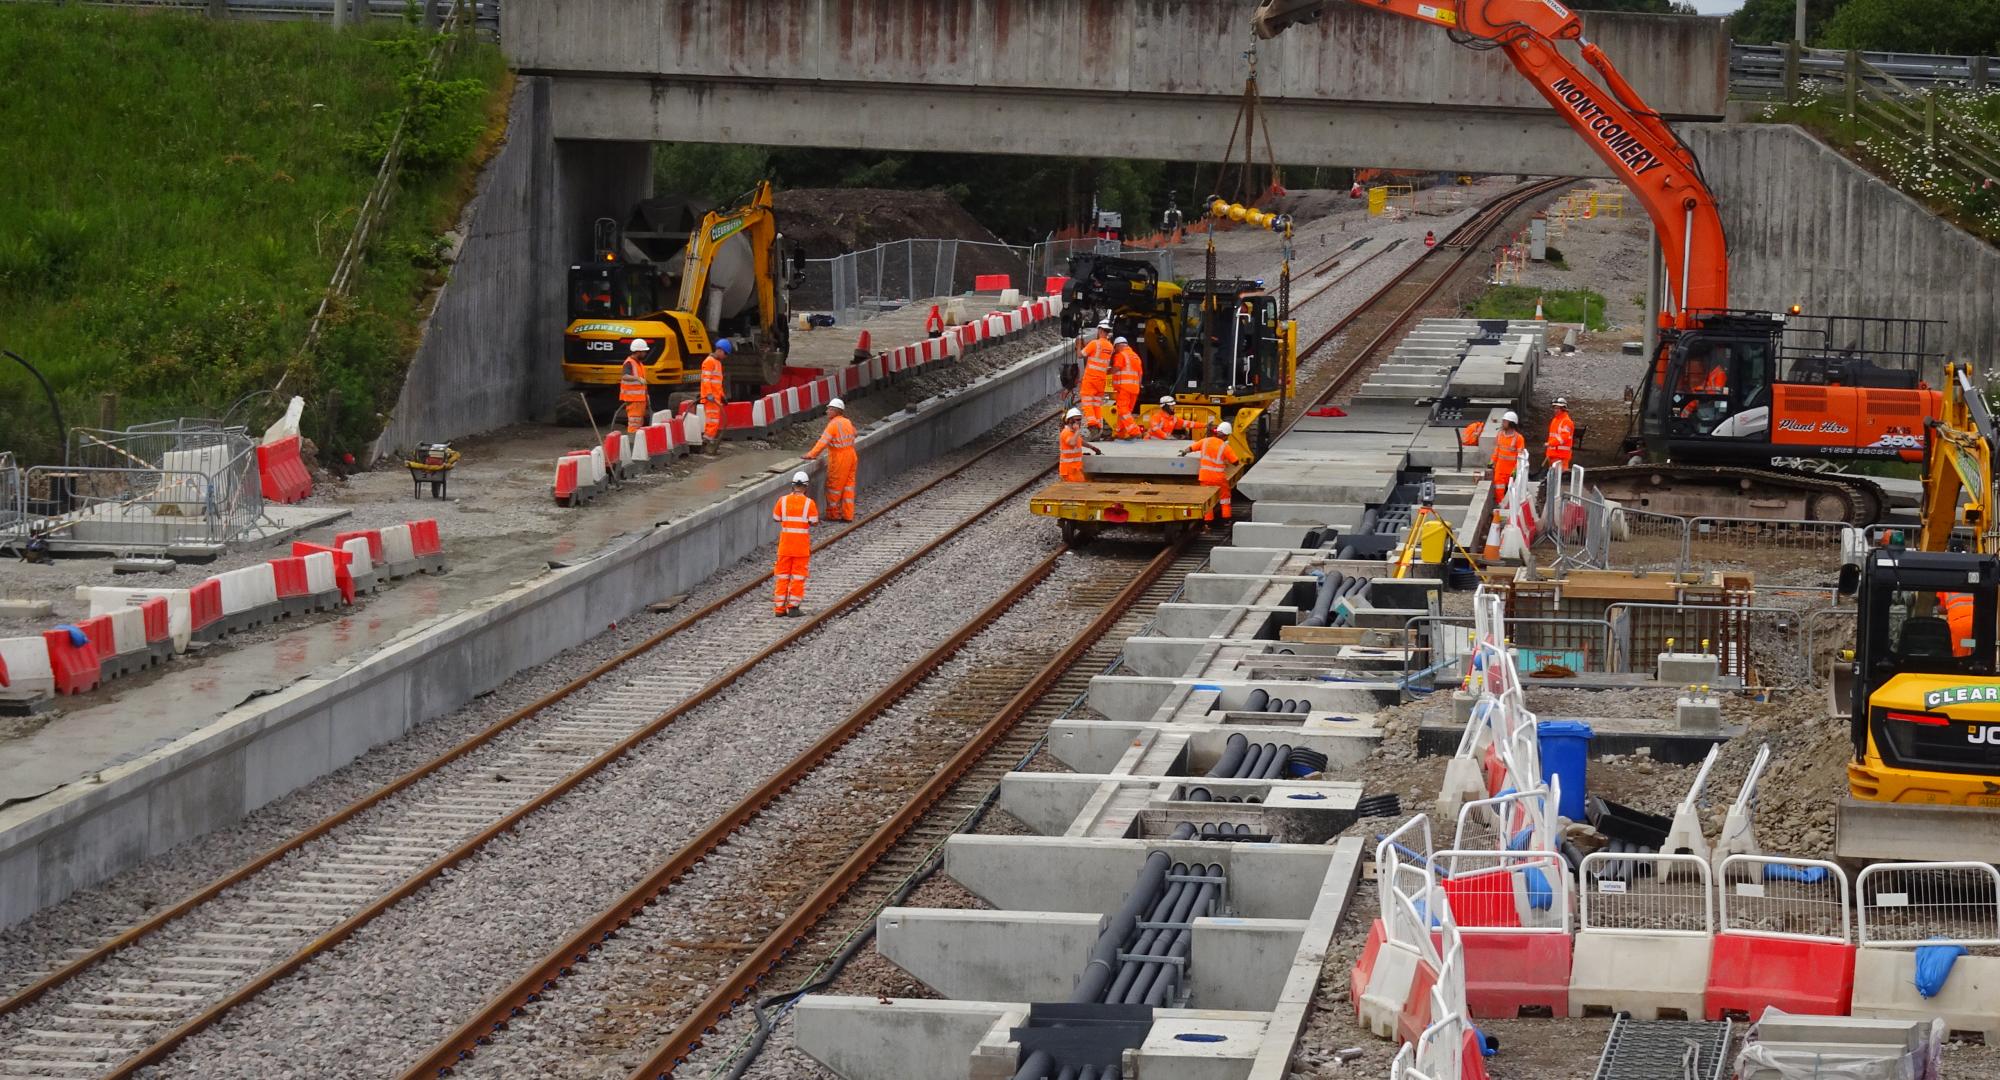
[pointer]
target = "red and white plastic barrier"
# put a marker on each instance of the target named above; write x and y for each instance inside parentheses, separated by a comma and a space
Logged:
(28, 671)
(281, 471)
(1785, 941)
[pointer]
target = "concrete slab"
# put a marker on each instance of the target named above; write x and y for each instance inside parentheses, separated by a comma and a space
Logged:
(1092, 874)
(865, 1038)
(989, 955)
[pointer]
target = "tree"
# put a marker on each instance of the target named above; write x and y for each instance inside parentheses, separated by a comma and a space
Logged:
(1938, 26)
(1770, 22)
(708, 171)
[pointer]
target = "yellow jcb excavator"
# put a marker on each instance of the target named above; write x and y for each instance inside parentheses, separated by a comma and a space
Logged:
(734, 282)
(1925, 710)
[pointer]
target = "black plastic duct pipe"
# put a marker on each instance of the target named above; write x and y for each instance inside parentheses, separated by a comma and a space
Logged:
(1329, 587)
(1036, 1067)
(1231, 760)
(1259, 701)
(1103, 965)
(1275, 764)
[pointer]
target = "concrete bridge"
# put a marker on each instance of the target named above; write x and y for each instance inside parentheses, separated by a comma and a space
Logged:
(1157, 79)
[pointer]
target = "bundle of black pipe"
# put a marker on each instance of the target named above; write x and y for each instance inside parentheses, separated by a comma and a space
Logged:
(1243, 760)
(1225, 830)
(1262, 700)
(1041, 1066)
(1333, 586)
(1202, 794)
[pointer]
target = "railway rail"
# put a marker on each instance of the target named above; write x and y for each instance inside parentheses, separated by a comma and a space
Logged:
(189, 965)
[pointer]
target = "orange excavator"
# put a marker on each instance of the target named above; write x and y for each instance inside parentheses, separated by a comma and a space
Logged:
(1743, 409)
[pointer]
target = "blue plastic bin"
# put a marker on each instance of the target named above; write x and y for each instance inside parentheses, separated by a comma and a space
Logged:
(1565, 750)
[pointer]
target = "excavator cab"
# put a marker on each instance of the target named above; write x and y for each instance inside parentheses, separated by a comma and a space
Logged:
(1231, 346)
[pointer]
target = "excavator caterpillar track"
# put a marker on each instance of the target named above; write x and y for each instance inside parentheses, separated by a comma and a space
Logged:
(1736, 492)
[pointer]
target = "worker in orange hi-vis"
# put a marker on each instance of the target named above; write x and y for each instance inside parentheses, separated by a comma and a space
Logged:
(837, 441)
(1957, 608)
(795, 515)
(1096, 373)
(632, 385)
(1561, 445)
(1070, 446)
(1127, 372)
(1165, 423)
(712, 396)
(1507, 449)
(1216, 455)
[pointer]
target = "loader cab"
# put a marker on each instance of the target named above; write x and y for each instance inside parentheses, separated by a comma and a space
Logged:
(1925, 689)
(610, 289)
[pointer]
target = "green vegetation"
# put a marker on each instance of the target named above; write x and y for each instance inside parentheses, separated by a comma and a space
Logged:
(1558, 305)
(1939, 26)
(179, 191)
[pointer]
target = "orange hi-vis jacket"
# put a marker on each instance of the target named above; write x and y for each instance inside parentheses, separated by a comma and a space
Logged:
(632, 380)
(1127, 370)
(1562, 437)
(1096, 367)
(795, 514)
(711, 379)
(1506, 455)
(1958, 615)
(1069, 460)
(1215, 455)
(837, 438)
(1164, 424)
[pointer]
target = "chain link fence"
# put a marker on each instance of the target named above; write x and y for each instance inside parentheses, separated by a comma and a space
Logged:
(886, 277)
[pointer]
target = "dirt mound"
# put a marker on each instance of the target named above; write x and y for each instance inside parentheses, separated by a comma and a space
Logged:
(834, 221)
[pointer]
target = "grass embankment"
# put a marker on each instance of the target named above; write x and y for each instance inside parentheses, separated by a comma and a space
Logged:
(1558, 305)
(178, 191)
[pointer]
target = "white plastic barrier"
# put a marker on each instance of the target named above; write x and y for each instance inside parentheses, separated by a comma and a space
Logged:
(1647, 929)
(398, 556)
(1905, 906)
(1382, 984)
(360, 564)
(320, 573)
(28, 667)
(254, 587)
(103, 600)
(128, 630)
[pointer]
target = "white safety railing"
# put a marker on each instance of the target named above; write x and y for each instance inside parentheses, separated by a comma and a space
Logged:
(1646, 894)
(1520, 820)
(1906, 905)
(1776, 897)
(1510, 892)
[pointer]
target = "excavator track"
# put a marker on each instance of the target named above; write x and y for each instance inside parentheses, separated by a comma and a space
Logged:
(1738, 492)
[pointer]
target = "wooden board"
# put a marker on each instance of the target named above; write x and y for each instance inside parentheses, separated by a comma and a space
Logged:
(1323, 635)
(1129, 492)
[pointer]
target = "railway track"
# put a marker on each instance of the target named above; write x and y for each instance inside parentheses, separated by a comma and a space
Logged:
(1345, 348)
(129, 1002)
(813, 885)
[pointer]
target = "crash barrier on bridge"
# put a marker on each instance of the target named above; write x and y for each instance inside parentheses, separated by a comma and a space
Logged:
(800, 395)
(1645, 933)
(1786, 939)
(1928, 937)
(131, 629)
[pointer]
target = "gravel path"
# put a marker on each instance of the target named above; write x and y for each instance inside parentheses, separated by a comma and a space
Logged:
(403, 981)
(98, 913)
(614, 1010)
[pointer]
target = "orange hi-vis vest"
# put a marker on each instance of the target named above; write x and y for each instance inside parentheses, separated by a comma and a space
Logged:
(711, 379)
(1958, 615)
(1562, 436)
(1126, 369)
(1215, 455)
(1507, 453)
(1096, 364)
(1163, 424)
(795, 514)
(838, 436)
(1069, 460)
(632, 380)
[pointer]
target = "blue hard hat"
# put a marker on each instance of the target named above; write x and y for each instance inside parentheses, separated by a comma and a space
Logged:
(724, 346)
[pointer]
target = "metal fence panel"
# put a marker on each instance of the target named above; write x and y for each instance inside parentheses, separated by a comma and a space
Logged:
(1771, 896)
(1904, 905)
(1649, 893)
(1809, 545)
(1511, 891)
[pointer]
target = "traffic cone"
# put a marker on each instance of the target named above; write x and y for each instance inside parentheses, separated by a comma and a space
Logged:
(1355, 191)
(1430, 239)
(1539, 317)
(862, 348)
(934, 322)
(1492, 552)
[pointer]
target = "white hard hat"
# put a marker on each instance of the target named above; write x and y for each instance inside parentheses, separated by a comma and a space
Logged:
(836, 403)
(1119, 341)
(1223, 428)
(1073, 414)
(639, 345)
(1508, 417)
(1105, 325)
(801, 478)
(1168, 400)
(1562, 403)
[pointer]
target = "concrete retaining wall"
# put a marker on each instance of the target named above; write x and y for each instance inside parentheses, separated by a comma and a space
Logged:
(84, 833)
(1807, 226)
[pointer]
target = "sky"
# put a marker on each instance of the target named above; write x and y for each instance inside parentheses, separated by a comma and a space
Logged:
(1717, 7)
